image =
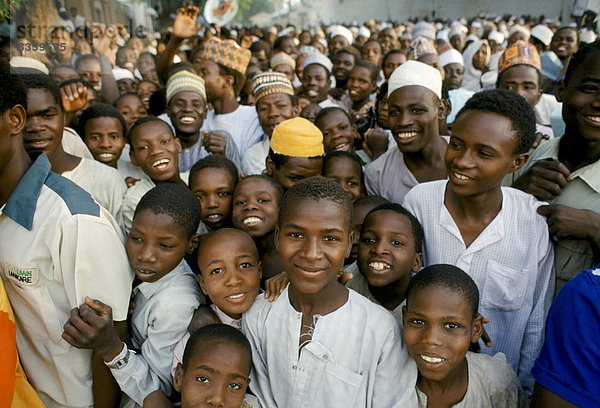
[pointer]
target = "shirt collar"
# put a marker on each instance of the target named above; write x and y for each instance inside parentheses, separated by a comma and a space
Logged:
(225, 319)
(22, 202)
(148, 289)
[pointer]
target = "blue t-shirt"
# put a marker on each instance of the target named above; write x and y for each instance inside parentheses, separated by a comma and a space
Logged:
(569, 363)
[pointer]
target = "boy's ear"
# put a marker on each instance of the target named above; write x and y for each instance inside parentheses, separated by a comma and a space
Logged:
(178, 378)
(276, 238)
(296, 110)
(193, 244)
(178, 144)
(441, 110)
(518, 162)
(418, 264)
(16, 118)
(476, 328)
(404, 315)
(260, 271)
(132, 157)
(201, 283)
(350, 241)
(269, 166)
(229, 81)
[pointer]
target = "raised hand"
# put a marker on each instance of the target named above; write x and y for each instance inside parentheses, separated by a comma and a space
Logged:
(185, 25)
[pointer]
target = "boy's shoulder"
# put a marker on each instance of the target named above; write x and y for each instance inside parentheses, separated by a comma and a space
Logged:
(491, 374)
(430, 193)
(370, 314)
(522, 205)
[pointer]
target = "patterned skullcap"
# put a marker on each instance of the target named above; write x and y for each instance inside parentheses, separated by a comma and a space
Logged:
(227, 53)
(520, 53)
(269, 83)
(282, 58)
(420, 47)
(297, 137)
(185, 81)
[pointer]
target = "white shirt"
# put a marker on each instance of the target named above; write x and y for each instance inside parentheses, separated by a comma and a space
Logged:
(511, 262)
(189, 156)
(57, 246)
(356, 357)
(132, 197)
(73, 144)
(242, 124)
(253, 161)
(389, 177)
(103, 182)
(163, 311)
(128, 169)
(544, 108)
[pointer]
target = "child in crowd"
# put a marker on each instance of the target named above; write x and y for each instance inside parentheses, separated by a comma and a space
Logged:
(389, 253)
(163, 231)
(145, 90)
(362, 83)
(256, 204)
(213, 180)
(438, 335)
(472, 222)
(155, 150)
(361, 208)
(310, 111)
(320, 344)
(103, 130)
(345, 169)
(132, 108)
(216, 369)
(296, 152)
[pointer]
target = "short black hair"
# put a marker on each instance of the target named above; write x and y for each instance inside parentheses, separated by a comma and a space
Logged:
(216, 162)
(100, 110)
(141, 121)
(176, 201)
(501, 74)
(373, 69)
(279, 42)
(417, 229)
(330, 109)
(318, 188)
(348, 50)
(158, 102)
(123, 48)
(83, 58)
(448, 277)
(44, 82)
(510, 105)
(270, 180)
(279, 159)
(12, 89)
(221, 333)
(370, 200)
(120, 98)
(329, 157)
(261, 45)
(77, 81)
(563, 28)
(579, 57)
(390, 53)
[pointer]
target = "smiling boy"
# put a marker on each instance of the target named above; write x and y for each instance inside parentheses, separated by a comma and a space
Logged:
(320, 344)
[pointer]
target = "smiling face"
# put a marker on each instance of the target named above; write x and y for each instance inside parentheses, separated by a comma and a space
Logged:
(338, 132)
(145, 90)
(186, 111)
(316, 82)
(255, 207)
(104, 137)
(413, 115)
(346, 172)
(274, 109)
(387, 252)
(480, 153)
(155, 245)
(126, 85)
(564, 43)
(132, 108)
(230, 271)
(44, 126)
(90, 70)
(342, 65)
(360, 85)
(126, 58)
(156, 151)
(214, 188)
(438, 334)
(581, 100)
(524, 80)
(217, 375)
(313, 238)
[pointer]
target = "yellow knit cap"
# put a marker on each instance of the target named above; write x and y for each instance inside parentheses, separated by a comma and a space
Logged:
(185, 81)
(297, 137)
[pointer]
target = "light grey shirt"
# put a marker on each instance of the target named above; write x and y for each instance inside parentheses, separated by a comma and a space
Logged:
(389, 177)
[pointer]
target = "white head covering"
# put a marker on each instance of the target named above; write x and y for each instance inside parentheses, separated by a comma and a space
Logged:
(451, 56)
(472, 77)
(424, 29)
(416, 73)
(542, 33)
(522, 29)
(442, 35)
(317, 58)
(587, 36)
(344, 32)
(364, 32)
(122, 73)
(496, 36)
(26, 62)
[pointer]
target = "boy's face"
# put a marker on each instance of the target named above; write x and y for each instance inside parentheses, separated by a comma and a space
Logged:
(186, 111)
(346, 173)
(481, 152)
(104, 137)
(90, 70)
(126, 85)
(217, 375)
(214, 189)
(438, 334)
(287, 70)
(155, 245)
(564, 43)
(145, 91)
(338, 132)
(274, 109)
(295, 169)
(313, 239)
(44, 126)
(454, 74)
(255, 207)
(372, 51)
(337, 43)
(62, 74)
(126, 58)
(524, 80)
(214, 82)
(391, 63)
(342, 65)
(230, 271)
(387, 252)
(316, 82)
(155, 151)
(413, 115)
(581, 99)
(132, 108)
(359, 84)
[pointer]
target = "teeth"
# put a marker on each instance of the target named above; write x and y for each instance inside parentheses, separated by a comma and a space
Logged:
(236, 296)
(379, 266)
(407, 135)
(213, 216)
(433, 359)
(105, 155)
(251, 220)
(341, 146)
(594, 118)
(162, 163)
(187, 120)
(461, 176)
(312, 94)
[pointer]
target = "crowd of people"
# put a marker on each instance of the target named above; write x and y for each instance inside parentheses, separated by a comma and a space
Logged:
(384, 215)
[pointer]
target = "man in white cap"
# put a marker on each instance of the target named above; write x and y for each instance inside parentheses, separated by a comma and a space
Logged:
(541, 36)
(363, 35)
(339, 38)
(454, 68)
(414, 111)
(316, 80)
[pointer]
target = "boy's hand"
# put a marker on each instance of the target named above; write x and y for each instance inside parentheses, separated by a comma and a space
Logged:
(376, 142)
(74, 97)
(545, 179)
(485, 337)
(275, 285)
(91, 327)
(539, 136)
(569, 223)
(130, 181)
(157, 399)
(185, 25)
(214, 142)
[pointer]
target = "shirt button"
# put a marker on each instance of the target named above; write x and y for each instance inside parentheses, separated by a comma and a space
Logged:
(325, 357)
